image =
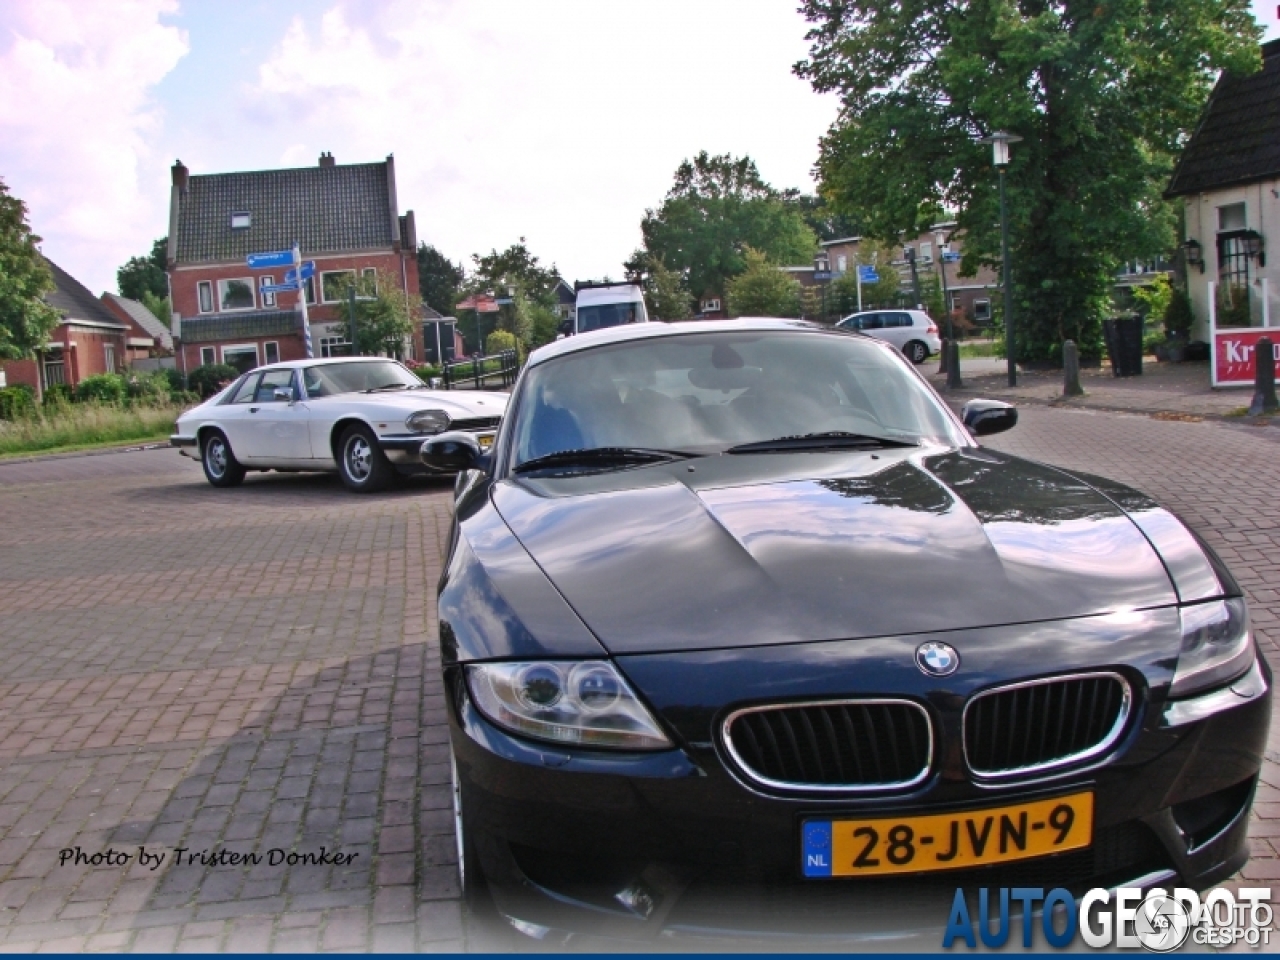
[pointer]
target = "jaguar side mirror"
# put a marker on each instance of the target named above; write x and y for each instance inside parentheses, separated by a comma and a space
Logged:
(985, 417)
(283, 394)
(452, 452)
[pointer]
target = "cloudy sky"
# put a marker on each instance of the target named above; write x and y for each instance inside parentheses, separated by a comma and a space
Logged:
(559, 121)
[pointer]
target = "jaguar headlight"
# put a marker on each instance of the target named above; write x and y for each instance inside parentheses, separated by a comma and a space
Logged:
(1217, 646)
(428, 421)
(586, 704)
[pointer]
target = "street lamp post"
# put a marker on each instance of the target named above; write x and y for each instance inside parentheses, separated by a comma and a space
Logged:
(939, 238)
(1000, 156)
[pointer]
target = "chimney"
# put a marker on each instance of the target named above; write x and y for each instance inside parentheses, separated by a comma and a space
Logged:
(179, 175)
(326, 159)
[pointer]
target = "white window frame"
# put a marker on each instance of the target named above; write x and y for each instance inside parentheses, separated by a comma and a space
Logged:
(241, 220)
(266, 351)
(329, 273)
(328, 343)
(204, 294)
(1244, 217)
(368, 272)
(982, 309)
(109, 356)
(253, 294)
(926, 252)
(208, 356)
(710, 306)
(268, 299)
(240, 348)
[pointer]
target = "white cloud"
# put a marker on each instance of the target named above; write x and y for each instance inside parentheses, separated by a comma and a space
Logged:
(77, 125)
(558, 121)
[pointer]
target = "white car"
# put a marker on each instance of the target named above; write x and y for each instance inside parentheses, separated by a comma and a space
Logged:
(911, 331)
(364, 417)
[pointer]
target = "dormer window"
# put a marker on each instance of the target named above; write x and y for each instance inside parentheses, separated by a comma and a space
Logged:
(241, 221)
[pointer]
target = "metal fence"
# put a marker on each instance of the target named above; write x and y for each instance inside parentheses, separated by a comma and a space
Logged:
(478, 373)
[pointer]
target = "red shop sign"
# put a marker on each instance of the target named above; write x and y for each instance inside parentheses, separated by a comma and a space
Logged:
(1233, 354)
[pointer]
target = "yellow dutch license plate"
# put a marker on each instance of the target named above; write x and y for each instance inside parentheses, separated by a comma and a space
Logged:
(486, 441)
(946, 841)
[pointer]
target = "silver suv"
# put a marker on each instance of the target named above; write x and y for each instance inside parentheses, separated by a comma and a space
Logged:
(911, 331)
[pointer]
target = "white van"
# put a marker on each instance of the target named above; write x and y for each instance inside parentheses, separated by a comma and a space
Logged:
(601, 305)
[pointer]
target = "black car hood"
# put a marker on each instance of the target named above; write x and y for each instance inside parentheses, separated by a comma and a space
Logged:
(777, 548)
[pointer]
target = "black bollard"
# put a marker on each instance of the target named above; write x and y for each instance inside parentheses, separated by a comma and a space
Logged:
(953, 365)
(1071, 370)
(1264, 379)
(943, 355)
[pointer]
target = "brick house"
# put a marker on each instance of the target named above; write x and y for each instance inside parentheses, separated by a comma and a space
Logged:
(90, 339)
(147, 336)
(344, 217)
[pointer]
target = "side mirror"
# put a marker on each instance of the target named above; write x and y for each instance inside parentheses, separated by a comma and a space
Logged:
(283, 394)
(452, 452)
(985, 417)
(566, 328)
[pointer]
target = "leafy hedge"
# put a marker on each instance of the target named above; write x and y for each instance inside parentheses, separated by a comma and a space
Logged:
(209, 378)
(17, 401)
(102, 388)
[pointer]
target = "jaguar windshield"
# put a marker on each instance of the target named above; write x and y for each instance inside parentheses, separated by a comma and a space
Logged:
(330, 379)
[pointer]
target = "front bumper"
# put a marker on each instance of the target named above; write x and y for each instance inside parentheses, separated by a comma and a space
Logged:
(673, 845)
(402, 449)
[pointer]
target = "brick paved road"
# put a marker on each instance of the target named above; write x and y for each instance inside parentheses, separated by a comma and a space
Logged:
(254, 669)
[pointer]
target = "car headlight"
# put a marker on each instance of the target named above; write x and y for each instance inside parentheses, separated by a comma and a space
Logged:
(1217, 646)
(587, 704)
(428, 421)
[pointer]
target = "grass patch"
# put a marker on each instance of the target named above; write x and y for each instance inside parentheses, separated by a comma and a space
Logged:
(83, 426)
(974, 350)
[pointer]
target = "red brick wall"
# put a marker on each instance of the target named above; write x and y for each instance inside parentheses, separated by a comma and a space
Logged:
(291, 347)
(19, 371)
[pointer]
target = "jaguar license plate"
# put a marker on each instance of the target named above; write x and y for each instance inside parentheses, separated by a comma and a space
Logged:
(946, 841)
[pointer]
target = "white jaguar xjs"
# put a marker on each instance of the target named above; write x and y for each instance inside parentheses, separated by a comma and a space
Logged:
(365, 417)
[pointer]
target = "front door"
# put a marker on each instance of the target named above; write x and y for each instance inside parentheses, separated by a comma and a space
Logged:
(276, 429)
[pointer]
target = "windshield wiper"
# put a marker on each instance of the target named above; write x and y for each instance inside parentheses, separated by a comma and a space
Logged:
(595, 456)
(390, 386)
(831, 440)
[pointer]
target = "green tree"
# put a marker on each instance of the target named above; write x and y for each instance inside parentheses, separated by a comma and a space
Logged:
(1102, 94)
(146, 275)
(762, 290)
(666, 295)
(513, 267)
(439, 279)
(385, 315)
(823, 218)
(717, 208)
(25, 319)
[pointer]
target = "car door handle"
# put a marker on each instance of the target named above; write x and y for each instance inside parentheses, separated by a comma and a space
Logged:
(253, 409)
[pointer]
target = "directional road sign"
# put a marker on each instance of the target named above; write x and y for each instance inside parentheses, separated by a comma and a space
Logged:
(820, 275)
(274, 258)
(278, 288)
(868, 275)
(950, 257)
(308, 271)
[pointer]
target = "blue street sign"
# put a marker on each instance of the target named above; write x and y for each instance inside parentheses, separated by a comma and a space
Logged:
(820, 275)
(868, 275)
(278, 288)
(265, 261)
(950, 257)
(308, 271)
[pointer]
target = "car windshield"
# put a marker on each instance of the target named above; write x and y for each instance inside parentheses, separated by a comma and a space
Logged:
(599, 316)
(707, 393)
(328, 379)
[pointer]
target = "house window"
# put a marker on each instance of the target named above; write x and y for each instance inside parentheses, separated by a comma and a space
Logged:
(710, 306)
(54, 369)
(926, 252)
(241, 221)
(370, 277)
(236, 294)
(1231, 217)
(334, 284)
(334, 347)
(268, 299)
(271, 351)
(204, 290)
(109, 355)
(244, 356)
(842, 263)
(981, 310)
(207, 356)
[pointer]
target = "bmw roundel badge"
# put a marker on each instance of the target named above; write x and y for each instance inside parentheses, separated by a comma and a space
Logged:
(937, 659)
